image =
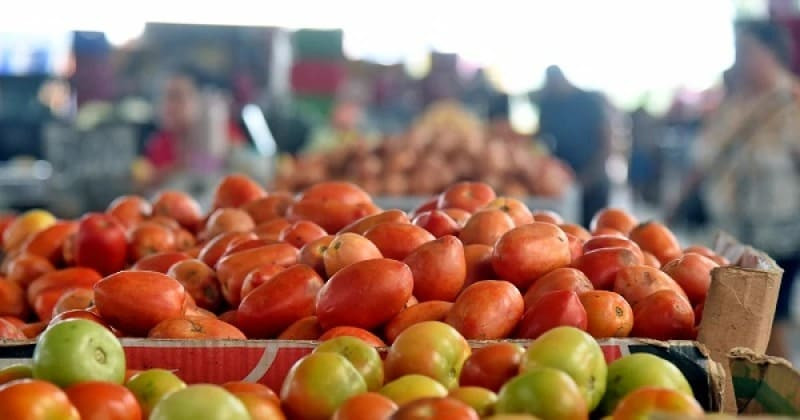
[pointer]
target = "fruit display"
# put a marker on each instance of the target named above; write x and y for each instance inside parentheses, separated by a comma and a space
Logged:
(429, 372)
(446, 145)
(329, 262)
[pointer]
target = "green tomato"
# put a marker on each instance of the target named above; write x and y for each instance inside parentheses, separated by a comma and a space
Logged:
(639, 370)
(318, 384)
(364, 357)
(151, 386)
(78, 350)
(543, 392)
(481, 399)
(200, 402)
(413, 387)
(14, 372)
(577, 354)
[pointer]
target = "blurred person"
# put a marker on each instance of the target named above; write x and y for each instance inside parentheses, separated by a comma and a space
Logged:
(747, 159)
(575, 123)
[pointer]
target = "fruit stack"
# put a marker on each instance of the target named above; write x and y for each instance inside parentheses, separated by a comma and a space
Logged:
(329, 262)
(429, 372)
(445, 146)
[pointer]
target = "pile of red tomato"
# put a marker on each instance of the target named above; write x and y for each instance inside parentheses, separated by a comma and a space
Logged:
(329, 262)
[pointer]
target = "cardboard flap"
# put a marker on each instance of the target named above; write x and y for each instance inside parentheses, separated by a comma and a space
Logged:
(764, 384)
(741, 255)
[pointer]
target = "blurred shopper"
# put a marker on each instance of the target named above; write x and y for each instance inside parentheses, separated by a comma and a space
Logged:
(748, 157)
(576, 125)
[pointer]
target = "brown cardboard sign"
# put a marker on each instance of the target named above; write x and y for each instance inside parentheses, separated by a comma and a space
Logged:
(764, 384)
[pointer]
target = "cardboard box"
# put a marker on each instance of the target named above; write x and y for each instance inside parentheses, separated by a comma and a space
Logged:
(764, 384)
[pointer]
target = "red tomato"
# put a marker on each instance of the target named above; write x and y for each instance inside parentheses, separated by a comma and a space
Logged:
(300, 233)
(525, 253)
(150, 238)
(601, 265)
(236, 190)
(564, 278)
(492, 366)
(653, 402)
(101, 244)
(129, 210)
(439, 269)
(25, 268)
(232, 270)
(242, 387)
(487, 310)
(608, 314)
(664, 315)
(103, 400)
(432, 310)
(213, 249)
(67, 278)
(12, 300)
(436, 408)
(469, 196)
(195, 328)
(367, 406)
(359, 333)
(693, 273)
(398, 240)
(28, 399)
(136, 301)
(48, 243)
(307, 328)
(9, 331)
(161, 262)
(437, 222)
(268, 208)
(179, 206)
(554, 309)
(200, 281)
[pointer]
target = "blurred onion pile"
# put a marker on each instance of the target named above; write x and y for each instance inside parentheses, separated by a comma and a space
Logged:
(446, 145)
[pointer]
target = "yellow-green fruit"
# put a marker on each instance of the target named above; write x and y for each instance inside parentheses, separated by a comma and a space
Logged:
(412, 387)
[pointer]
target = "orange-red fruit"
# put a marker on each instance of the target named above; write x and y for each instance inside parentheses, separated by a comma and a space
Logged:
(693, 273)
(196, 328)
(300, 233)
(232, 269)
(439, 269)
(432, 310)
(136, 301)
(268, 208)
(25, 268)
(129, 210)
(664, 315)
(437, 222)
(307, 328)
(362, 225)
(575, 230)
(547, 216)
(149, 238)
(365, 294)
(612, 218)
(468, 196)
(48, 243)
(564, 278)
(637, 282)
(478, 259)
(610, 241)
(312, 253)
(486, 227)
(492, 366)
(487, 310)
(398, 240)
(214, 248)
(179, 206)
(608, 314)
(348, 248)
(227, 220)
(200, 282)
(525, 253)
(516, 209)
(658, 240)
(356, 332)
(282, 300)
(161, 262)
(602, 265)
(236, 190)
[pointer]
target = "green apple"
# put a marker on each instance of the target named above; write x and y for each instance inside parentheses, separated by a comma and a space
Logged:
(412, 387)
(639, 370)
(200, 402)
(543, 392)
(574, 352)
(151, 386)
(364, 357)
(78, 350)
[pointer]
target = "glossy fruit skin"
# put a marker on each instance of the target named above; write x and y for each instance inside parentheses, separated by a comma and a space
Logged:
(365, 294)
(429, 348)
(307, 328)
(487, 310)
(664, 315)
(492, 366)
(227, 220)
(645, 402)
(547, 216)
(432, 310)
(199, 281)
(179, 206)
(480, 399)
(318, 384)
(398, 240)
(236, 190)
(693, 273)
(81, 314)
(356, 332)
(161, 262)
(211, 252)
(639, 370)
(312, 254)
(608, 314)
(367, 406)
(553, 309)
(198, 402)
(78, 298)
(516, 209)
(658, 240)
(616, 219)
(103, 400)
(469, 196)
(362, 225)
(195, 328)
(348, 248)
(150, 238)
(412, 387)
(129, 210)
(73, 277)
(651, 260)
(28, 399)
(101, 244)
(543, 392)
(610, 241)
(15, 372)
(25, 225)
(300, 233)
(478, 258)
(436, 408)
(78, 350)
(564, 278)
(330, 215)
(601, 265)
(459, 215)
(119, 298)
(260, 408)
(242, 387)
(23, 269)
(575, 246)
(437, 222)
(10, 331)
(427, 205)
(272, 229)
(345, 192)
(259, 276)
(439, 269)
(232, 270)
(268, 208)
(525, 253)
(486, 227)
(576, 230)
(12, 300)
(637, 282)
(48, 242)
(575, 353)
(285, 298)
(151, 385)
(362, 355)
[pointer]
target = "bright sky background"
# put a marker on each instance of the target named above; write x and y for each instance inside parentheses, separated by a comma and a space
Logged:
(625, 47)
